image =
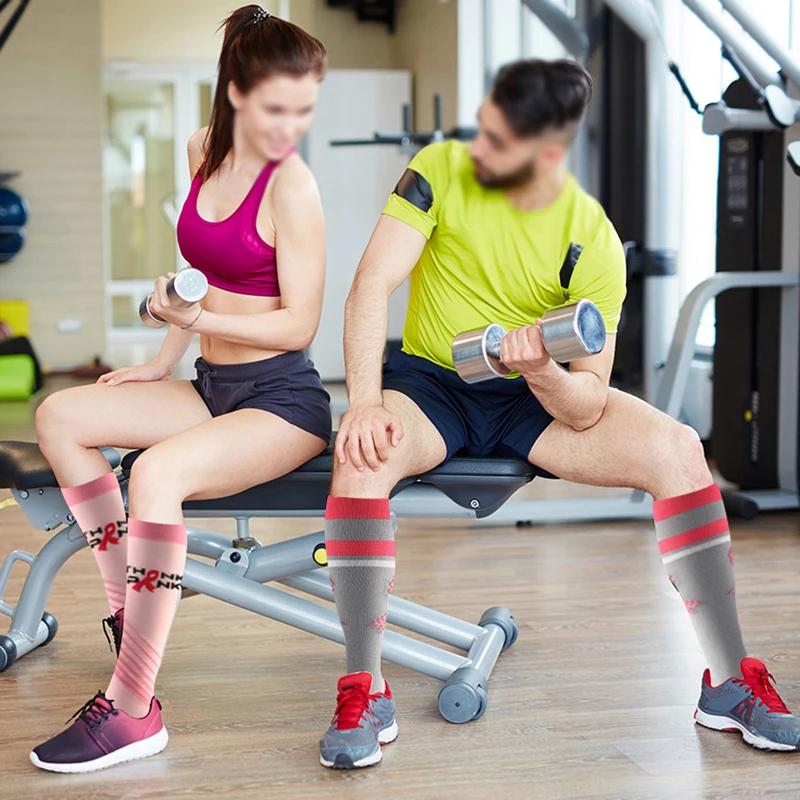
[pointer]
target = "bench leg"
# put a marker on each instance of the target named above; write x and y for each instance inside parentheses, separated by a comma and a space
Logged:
(465, 694)
(305, 615)
(30, 625)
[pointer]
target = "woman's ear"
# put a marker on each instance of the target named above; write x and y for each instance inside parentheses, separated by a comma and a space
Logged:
(235, 97)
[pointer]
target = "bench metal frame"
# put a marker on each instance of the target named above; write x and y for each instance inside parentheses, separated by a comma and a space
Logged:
(240, 569)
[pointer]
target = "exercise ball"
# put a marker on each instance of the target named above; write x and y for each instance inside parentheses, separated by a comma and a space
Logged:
(11, 244)
(13, 209)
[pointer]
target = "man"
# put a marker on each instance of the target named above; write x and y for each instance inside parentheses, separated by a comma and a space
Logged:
(499, 231)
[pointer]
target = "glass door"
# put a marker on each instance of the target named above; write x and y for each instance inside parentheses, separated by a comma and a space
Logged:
(151, 111)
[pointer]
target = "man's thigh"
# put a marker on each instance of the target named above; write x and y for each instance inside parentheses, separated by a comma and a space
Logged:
(421, 449)
(633, 445)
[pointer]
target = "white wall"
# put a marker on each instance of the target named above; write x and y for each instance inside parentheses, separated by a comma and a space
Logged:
(166, 30)
(50, 130)
(354, 183)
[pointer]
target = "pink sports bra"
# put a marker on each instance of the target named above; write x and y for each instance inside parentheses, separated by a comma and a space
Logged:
(231, 253)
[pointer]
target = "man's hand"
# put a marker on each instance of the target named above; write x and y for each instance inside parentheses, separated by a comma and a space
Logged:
(522, 350)
(366, 434)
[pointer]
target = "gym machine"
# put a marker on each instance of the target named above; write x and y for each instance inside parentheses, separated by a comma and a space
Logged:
(757, 352)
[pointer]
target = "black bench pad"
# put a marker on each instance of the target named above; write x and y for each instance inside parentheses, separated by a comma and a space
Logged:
(490, 481)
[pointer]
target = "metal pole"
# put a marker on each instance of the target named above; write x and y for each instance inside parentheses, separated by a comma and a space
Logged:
(731, 36)
(562, 26)
(789, 64)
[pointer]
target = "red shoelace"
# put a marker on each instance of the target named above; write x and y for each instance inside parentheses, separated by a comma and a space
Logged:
(759, 681)
(351, 704)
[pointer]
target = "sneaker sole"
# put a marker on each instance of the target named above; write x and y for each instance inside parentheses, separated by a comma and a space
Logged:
(131, 752)
(731, 725)
(343, 761)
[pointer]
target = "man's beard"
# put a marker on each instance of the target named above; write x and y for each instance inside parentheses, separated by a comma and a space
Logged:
(511, 180)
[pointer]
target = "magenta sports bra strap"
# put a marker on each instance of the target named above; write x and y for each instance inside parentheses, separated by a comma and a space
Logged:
(256, 194)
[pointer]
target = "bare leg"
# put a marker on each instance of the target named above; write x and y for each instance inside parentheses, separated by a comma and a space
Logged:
(420, 449)
(219, 457)
(360, 536)
(72, 424)
(638, 446)
(633, 445)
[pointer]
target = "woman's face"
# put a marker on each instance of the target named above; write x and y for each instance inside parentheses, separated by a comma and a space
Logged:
(276, 113)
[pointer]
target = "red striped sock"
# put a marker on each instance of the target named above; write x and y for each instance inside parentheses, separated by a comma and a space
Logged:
(695, 546)
(156, 559)
(359, 539)
(99, 510)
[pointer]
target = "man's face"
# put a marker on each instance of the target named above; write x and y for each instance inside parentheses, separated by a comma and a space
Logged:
(504, 160)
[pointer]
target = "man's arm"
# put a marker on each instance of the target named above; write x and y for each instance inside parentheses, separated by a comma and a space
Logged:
(577, 397)
(392, 252)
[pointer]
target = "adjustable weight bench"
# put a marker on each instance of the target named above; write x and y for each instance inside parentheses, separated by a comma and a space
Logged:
(463, 487)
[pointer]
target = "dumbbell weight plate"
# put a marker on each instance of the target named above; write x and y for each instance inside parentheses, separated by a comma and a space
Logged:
(476, 354)
(190, 285)
(187, 287)
(577, 331)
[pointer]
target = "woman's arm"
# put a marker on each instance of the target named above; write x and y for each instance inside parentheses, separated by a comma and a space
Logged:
(300, 243)
(177, 341)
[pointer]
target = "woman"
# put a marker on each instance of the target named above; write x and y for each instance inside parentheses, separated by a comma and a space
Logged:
(253, 224)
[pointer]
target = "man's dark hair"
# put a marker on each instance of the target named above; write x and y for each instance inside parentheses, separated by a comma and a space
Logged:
(537, 96)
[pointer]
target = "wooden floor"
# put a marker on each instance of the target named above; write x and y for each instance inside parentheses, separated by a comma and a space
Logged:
(595, 699)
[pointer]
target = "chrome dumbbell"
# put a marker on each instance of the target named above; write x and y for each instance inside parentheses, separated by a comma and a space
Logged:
(187, 287)
(568, 333)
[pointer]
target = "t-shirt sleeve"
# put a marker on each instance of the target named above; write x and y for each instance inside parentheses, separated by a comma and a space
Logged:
(600, 275)
(419, 193)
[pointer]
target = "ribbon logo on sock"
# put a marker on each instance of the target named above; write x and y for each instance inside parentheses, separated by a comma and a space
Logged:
(152, 579)
(111, 533)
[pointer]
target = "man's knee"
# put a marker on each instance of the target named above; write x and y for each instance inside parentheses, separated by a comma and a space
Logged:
(681, 445)
(347, 481)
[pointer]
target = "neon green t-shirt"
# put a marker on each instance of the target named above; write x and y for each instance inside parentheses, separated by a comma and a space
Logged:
(486, 261)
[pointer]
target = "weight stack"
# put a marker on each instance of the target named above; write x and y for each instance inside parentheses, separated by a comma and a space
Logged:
(744, 440)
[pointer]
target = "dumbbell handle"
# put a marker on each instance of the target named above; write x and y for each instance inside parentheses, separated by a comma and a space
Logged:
(568, 333)
(184, 289)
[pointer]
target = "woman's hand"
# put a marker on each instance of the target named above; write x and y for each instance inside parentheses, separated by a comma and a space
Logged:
(154, 371)
(160, 305)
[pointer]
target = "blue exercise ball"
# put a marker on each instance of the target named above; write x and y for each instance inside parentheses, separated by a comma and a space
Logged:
(13, 209)
(11, 244)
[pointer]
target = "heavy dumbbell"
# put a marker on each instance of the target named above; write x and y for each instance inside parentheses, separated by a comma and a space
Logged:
(568, 333)
(187, 287)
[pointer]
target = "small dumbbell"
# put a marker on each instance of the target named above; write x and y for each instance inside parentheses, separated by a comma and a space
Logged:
(568, 333)
(189, 286)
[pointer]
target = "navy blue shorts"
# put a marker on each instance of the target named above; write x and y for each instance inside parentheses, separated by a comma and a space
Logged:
(499, 417)
(286, 385)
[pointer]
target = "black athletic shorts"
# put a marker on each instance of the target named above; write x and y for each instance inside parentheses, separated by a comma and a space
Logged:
(497, 417)
(286, 385)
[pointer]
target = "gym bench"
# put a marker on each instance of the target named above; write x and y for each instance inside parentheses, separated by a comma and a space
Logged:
(241, 568)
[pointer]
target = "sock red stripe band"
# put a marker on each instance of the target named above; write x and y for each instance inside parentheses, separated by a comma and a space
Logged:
(157, 531)
(359, 547)
(662, 509)
(89, 491)
(693, 536)
(357, 508)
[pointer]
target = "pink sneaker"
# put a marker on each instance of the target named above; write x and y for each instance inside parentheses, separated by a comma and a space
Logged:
(102, 736)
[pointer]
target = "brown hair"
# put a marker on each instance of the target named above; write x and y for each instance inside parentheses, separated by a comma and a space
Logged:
(255, 46)
(537, 96)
